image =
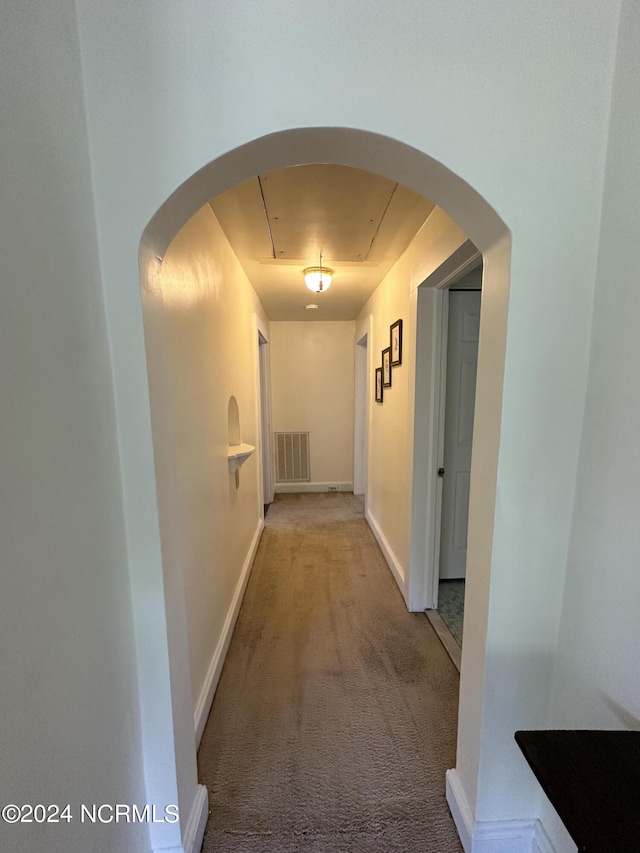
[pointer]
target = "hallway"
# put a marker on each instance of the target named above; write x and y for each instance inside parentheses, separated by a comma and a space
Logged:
(335, 716)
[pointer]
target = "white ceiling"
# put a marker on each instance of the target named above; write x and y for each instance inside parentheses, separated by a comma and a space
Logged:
(279, 222)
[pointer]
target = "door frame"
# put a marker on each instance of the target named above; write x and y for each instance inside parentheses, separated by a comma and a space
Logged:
(445, 379)
(263, 398)
(364, 329)
(430, 300)
(361, 415)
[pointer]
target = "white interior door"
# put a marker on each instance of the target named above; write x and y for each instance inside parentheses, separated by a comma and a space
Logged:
(462, 361)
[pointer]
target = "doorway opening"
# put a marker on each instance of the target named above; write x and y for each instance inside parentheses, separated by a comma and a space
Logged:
(447, 334)
(414, 169)
(459, 360)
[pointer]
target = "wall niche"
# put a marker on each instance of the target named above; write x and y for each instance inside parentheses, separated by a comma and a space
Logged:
(238, 452)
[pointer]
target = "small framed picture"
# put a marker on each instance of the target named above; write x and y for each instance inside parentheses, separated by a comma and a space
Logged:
(396, 343)
(379, 391)
(386, 367)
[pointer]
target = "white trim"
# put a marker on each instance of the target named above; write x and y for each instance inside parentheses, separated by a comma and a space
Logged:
(496, 836)
(460, 809)
(215, 667)
(262, 328)
(440, 388)
(288, 488)
(195, 826)
(194, 832)
(361, 415)
(265, 467)
(431, 307)
(368, 461)
(541, 842)
(392, 561)
(504, 836)
(457, 265)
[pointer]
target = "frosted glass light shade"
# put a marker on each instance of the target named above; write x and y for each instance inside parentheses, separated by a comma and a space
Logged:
(318, 279)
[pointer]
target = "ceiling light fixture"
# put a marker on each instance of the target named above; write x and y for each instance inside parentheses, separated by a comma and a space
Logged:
(318, 279)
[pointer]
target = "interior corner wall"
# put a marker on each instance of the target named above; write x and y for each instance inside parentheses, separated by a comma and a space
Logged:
(313, 390)
(596, 678)
(391, 422)
(69, 727)
(211, 338)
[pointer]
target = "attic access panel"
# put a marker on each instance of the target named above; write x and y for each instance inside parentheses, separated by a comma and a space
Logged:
(336, 209)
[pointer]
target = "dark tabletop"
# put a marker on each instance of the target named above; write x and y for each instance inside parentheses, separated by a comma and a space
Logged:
(592, 779)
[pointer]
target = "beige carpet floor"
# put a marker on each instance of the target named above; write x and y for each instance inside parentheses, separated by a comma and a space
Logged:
(335, 717)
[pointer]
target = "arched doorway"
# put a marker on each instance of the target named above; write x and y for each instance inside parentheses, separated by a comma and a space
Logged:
(395, 160)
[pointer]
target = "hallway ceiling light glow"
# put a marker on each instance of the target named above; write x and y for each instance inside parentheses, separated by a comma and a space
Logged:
(318, 279)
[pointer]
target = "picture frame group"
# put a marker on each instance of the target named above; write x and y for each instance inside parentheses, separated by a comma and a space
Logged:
(391, 357)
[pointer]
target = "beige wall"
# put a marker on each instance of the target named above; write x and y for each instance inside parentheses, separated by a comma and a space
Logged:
(391, 422)
(211, 353)
(313, 388)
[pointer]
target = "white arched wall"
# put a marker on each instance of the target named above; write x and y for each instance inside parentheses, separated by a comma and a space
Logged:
(105, 123)
(512, 96)
(420, 172)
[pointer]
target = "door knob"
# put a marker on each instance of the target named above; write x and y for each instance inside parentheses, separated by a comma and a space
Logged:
(440, 472)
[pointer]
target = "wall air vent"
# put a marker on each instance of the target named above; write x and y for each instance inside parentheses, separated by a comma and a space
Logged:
(292, 457)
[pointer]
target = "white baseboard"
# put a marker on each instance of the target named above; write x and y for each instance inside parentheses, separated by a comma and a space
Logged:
(215, 667)
(542, 843)
(552, 835)
(496, 836)
(392, 561)
(504, 836)
(460, 810)
(196, 823)
(299, 488)
(194, 832)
